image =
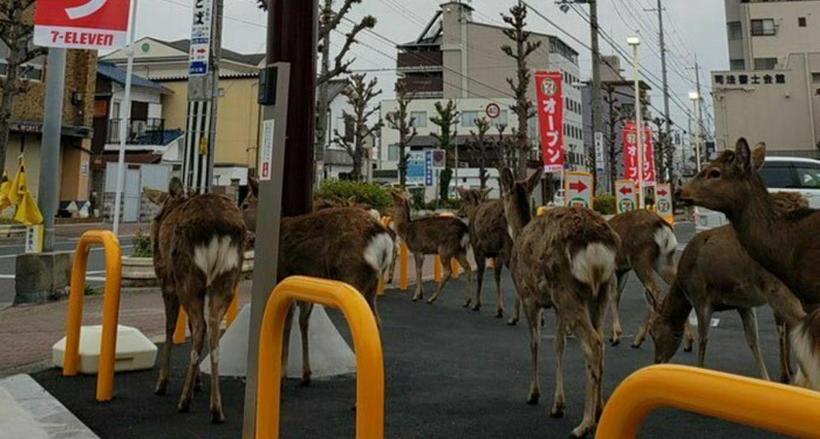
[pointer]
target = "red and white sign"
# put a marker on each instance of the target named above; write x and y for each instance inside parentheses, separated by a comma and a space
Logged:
(266, 152)
(631, 154)
(493, 110)
(550, 95)
(626, 196)
(81, 24)
(663, 202)
(579, 190)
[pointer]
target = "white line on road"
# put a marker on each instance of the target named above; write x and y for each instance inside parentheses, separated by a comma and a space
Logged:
(94, 249)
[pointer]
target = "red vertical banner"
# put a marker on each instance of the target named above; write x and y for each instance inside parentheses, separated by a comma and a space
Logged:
(648, 157)
(631, 154)
(550, 95)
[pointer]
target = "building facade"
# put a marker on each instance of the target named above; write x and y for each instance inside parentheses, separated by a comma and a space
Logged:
(772, 91)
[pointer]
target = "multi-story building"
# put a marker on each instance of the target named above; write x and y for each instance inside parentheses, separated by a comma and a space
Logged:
(772, 92)
(457, 58)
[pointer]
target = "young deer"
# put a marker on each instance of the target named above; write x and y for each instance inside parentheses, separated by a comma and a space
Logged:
(648, 245)
(197, 242)
(444, 236)
(346, 244)
(788, 246)
(716, 274)
(565, 259)
(489, 240)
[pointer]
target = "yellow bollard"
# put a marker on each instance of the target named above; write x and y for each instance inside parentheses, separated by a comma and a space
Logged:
(542, 210)
(366, 344)
(233, 308)
(111, 309)
(182, 327)
(438, 267)
(776, 407)
(404, 267)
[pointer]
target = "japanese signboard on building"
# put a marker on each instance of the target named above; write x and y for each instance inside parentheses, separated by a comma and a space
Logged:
(631, 154)
(428, 168)
(579, 190)
(749, 79)
(550, 103)
(626, 196)
(663, 202)
(200, 49)
(81, 24)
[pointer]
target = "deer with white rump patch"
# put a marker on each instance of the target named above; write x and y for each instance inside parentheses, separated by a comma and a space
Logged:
(197, 242)
(788, 246)
(565, 259)
(448, 237)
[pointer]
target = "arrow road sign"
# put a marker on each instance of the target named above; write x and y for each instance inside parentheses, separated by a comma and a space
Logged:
(577, 191)
(578, 186)
(626, 196)
(626, 190)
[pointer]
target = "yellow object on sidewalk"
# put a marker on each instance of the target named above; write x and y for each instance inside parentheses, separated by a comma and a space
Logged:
(5, 186)
(19, 179)
(27, 211)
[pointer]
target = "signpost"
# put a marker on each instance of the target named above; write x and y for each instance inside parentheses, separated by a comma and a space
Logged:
(428, 168)
(550, 102)
(493, 110)
(415, 167)
(579, 190)
(200, 49)
(663, 202)
(626, 196)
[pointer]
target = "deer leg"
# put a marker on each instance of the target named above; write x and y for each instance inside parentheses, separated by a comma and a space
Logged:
(615, 304)
(448, 272)
(499, 304)
(559, 402)
(704, 314)
(218, 306)
(593, 348)
(286, 338)
(652, 291)
(171, 314)
(198, 377)
(195, 310)
(419, 269)
(688, 337)
(785, 353)
(516, 311)
(304, 320)
(468, 271)
(749, 318)
(392, 270)
(533, 312)
(481, 263)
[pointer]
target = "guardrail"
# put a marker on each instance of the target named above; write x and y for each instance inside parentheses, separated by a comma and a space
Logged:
(771, 406)
(182, 319)
(366, 343)
(111, 309)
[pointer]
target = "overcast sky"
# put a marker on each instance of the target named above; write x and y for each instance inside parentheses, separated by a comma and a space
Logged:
(692, 26)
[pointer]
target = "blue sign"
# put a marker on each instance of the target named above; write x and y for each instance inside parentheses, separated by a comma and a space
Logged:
(198, 68)
(415, 167)
(428, 168)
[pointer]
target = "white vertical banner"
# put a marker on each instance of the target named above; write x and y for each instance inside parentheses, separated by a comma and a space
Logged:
(266, 152)
(200, 50)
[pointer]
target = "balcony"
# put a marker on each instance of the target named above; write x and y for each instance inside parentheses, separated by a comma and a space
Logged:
(149, 131)
(419, 61)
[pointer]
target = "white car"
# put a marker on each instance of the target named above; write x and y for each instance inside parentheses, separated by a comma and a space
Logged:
(781, 174)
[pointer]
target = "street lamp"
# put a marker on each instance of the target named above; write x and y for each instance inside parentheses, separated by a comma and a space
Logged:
(695, 97)
(635, 42)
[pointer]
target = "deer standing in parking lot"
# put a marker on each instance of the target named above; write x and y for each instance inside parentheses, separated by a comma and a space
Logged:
(788, 246)
(489, 240)
(448, 237)
(648, 247)
(346, 244)
(565, 259)
(197, 242)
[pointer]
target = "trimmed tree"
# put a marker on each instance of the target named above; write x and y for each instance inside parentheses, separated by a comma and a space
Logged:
(360, 95)
(482, 146)
(446, 119)
(616, 118)
(401, 121)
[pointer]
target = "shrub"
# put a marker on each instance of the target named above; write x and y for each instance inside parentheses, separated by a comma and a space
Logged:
(142, 245)
(605, 204)
(364, 193)
(417, 198)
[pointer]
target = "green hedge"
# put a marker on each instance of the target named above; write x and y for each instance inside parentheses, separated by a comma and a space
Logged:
(373, 195)
(605, 204)
(451, 204)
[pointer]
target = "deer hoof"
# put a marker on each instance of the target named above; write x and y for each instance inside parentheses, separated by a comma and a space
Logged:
(512, 322)
(431, 300)
(217, 417)
(467, 303)
(305, 381)
(615, 342)
(557, 411)
(161, 389)
(580, 432)
(635, 345)
(499, 314)
(687, 349)
(533, 399)
(184, 406)
(476, 307)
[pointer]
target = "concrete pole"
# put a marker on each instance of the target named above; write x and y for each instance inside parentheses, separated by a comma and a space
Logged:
(125, 115)
(667, 121)
(49, 190)
(597, 102)
(638, 123)
(699, 133)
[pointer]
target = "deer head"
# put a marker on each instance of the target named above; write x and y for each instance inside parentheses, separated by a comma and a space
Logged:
(517, 199)
(471, 199)
(167, 200)
(666, 338)
(728, 181)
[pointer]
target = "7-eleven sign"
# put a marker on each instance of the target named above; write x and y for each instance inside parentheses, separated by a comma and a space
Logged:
(81, 24)
(626, 196)
(579, 189)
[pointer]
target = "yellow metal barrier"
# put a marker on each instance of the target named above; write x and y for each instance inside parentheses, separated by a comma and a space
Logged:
(182, 319)
(111, 309)
(366, 343)
(541, 210)
(771, 406)
(386, 220)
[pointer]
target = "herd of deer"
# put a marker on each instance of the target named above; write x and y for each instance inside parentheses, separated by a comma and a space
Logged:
(569, 259)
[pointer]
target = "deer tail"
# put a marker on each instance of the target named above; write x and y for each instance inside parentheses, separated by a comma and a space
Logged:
(805, 340)
(593, 264)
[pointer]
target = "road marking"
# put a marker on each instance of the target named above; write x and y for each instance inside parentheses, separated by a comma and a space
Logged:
(93, 249)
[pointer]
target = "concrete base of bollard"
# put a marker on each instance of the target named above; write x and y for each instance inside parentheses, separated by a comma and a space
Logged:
(40, 277)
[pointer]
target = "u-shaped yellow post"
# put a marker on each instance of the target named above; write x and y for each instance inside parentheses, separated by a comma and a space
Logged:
(366, 343)
(111, 309)
(776, 407)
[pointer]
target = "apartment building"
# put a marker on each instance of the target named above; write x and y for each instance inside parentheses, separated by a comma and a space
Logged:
(772, 91)
(456, 57)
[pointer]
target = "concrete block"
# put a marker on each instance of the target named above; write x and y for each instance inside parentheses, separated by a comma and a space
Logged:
(40, 277)
(134, 350)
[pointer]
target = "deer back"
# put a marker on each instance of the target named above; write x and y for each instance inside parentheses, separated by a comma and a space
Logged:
(644, 237)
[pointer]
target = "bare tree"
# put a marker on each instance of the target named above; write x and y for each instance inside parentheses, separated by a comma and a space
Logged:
(401, 121)
(616, 117)
(16, 33)
(446, 119)
(506, 148)
(482, 147)
(329, 20)
(360, 95)
(523, 108)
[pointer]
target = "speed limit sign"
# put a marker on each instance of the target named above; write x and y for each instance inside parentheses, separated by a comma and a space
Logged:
(493, 110)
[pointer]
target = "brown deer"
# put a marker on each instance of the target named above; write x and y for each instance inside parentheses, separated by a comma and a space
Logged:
(648, 246)
(565, 259)
(488, 238)
(788, 246)
(444, 236)
(346, 244)
(197, 243)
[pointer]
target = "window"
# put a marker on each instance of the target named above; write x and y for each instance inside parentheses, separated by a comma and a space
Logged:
(737, 64)
(765, 63)
(468, 118)
(419, 118)
(808, 176)
(778, 175)
(801, 21)
(763, 27)
(393, 153)
(735, 30)
(115, 110)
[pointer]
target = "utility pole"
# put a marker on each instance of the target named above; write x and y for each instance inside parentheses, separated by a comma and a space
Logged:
(667, 121)
(52, 124)
(323, 98)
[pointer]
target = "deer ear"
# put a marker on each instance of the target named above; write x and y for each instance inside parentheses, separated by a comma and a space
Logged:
(507, 179)
(253, 184)
(175, 188)
(743, 155)
(534, 179)
(759, 155)
(155, 196)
